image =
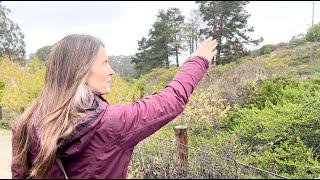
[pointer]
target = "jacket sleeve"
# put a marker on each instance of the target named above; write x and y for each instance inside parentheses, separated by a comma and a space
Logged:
(135, 121)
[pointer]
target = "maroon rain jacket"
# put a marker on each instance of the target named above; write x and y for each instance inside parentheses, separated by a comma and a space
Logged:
(101, 146)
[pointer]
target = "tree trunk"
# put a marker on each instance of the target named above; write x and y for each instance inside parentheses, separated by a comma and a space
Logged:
(219, 39)
(167, 61)
(196, 39)
(176, 50)
(218, 56)
(218, 52)
(192, 41)
(190, 44)
(167, 58)
(177, 55)
(0, 112)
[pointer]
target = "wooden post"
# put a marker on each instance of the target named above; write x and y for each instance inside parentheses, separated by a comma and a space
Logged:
(181, 151)
(0, 112)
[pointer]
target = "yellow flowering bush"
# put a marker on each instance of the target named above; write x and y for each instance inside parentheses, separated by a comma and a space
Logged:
(22, 83)
(122, 91)
(204, 107)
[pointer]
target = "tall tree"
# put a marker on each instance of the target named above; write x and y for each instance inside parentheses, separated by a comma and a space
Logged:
(140, 58)
(160, 38)
(166, 34)
(145, 59)
(42, 53)
(11, 38)
(191, 30)
(175, 21)
(163, 41)
(227, 22)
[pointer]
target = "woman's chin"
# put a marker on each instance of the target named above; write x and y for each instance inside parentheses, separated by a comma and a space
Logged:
(106, 91)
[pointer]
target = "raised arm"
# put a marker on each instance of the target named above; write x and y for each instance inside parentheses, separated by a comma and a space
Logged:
(135, 121)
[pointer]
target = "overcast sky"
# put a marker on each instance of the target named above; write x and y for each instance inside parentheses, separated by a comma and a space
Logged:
(120, 24)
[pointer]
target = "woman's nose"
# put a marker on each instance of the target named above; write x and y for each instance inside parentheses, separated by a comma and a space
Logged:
(111, 71)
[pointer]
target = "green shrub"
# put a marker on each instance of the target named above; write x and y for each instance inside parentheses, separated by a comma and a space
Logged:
(228, 59)
(312, 68)
(266, 49)
(2, 85)
(297, 40)
(313, 34)
(155, 80)
(8, 117)
(255, 53)
(278, 128)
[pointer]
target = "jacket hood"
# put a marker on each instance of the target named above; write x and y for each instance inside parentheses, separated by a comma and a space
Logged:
(78, 140)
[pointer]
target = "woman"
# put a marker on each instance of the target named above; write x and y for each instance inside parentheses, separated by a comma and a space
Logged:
(71, 131)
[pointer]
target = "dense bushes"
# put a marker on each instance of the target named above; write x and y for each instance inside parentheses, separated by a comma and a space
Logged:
(278, 128)
(155, 80)
(272, 123)
(122, 91)
(22, 83)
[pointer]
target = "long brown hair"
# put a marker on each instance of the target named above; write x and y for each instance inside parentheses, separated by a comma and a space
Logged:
(58, 106)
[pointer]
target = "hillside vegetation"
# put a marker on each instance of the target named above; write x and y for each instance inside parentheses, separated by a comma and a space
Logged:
(264, 107)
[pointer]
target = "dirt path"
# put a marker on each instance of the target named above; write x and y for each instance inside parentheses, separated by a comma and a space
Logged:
(5, 156)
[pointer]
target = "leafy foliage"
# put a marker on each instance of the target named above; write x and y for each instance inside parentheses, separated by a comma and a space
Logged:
(22, 83)
(164, 41)
(2, 85)
(122, 91)
(227, 22)
(266, 49)
(155, 80)
(261, 109)
(12, 44)
(278, 128)
(42, 54)
(313, 34)
(297, 40)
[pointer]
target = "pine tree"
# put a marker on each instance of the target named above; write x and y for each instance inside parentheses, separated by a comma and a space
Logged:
(163, 41)
(175, 24)
(227, 22)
